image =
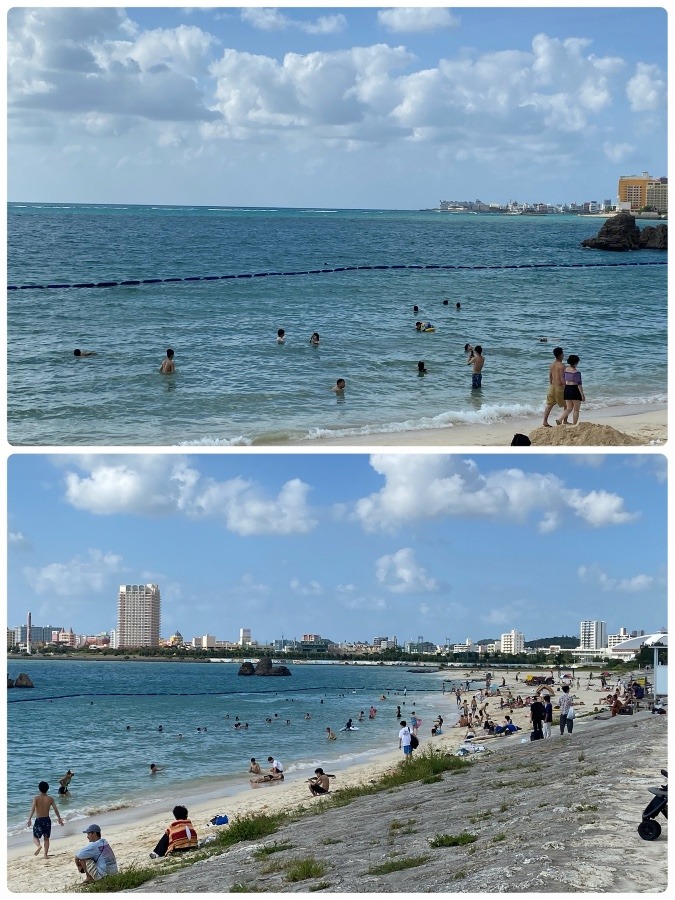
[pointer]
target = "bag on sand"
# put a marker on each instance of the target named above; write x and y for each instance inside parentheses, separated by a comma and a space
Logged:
(536, 735)
(414, 741)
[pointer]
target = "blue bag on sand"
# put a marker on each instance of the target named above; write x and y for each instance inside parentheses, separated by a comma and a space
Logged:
(219, 820)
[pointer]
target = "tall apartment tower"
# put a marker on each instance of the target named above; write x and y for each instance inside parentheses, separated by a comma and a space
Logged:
(138, 616)
(513, 642)
(592, 635)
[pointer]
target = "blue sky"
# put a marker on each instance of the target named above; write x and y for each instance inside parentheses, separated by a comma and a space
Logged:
(393, 107)
(349, 546)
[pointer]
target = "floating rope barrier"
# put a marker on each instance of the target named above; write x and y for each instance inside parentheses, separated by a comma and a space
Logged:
(136, 282)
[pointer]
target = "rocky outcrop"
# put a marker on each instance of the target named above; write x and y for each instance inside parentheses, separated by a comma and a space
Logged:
(22, 681)
(620, 233)
(263, 667)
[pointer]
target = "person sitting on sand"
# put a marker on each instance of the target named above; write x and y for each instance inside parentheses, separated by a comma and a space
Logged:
(79, 352)
(178, 837)
(42, 827)
(319, 783)
(254, 767)
(276, 772)
(97, 859)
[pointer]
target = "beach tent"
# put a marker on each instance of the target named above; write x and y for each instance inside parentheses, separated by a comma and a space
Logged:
(657, 641)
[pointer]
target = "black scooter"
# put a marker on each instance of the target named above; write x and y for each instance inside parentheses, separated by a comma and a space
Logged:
(649, 829)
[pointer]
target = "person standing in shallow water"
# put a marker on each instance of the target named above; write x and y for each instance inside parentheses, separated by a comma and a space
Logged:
(168, 366)
(477, 361)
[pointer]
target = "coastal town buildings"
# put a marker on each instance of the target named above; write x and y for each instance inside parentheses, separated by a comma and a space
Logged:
(638, 191)
(138, 616)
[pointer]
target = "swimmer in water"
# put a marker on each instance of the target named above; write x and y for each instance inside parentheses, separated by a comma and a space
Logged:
(314, 340)
(421, 370)
(339, 386)
(168, 366)
(281, 336)
(84, 352)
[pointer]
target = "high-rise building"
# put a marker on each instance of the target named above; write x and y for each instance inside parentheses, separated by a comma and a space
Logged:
(138, 615)
(512, 643)
(244, 637)
(592, 635)
(643, 190)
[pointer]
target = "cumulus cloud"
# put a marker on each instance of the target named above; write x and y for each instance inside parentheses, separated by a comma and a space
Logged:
(646, 90)
(416, 19)
(164, 485)
(18, 540)
(400, 573)
(595, 576)
(308, 589)
(430, 487)
(271, 19)
(83, 62)
(78, 576)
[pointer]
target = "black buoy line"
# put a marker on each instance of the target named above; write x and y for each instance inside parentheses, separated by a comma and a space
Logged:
(136, 282)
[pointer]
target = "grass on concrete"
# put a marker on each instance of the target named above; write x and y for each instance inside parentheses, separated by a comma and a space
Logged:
(452, 840)
(397, 865)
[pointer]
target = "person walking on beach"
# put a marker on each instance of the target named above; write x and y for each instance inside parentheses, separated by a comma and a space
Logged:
(168, 366)
(476, 362)
(42, 827)
(404, 740)
(565, 702)
(573, 391)
(556, 385)
(548, 716)
(97, 859)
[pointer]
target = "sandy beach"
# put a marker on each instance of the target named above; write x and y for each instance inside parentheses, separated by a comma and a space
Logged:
(617, 426)
(133, 835)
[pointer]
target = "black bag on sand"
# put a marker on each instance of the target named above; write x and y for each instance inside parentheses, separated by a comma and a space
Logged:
(536, 736)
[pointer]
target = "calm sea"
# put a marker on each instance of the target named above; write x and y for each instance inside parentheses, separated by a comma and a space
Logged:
(77, 715)
(235, 385)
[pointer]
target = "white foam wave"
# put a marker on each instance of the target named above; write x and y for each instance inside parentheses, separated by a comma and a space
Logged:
(240, 441)
(483, 416)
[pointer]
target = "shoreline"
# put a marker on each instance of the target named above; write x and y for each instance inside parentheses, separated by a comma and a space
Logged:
(133, 831)
(647, 424)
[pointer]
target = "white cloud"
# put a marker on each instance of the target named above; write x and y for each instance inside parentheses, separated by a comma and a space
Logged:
(78, 576)
(161, 485)
(401, 574)
(416, 19)
(594, 575)
(270, 19)
(646, 90)
(420, 487)
(18, 540)
(309, 589)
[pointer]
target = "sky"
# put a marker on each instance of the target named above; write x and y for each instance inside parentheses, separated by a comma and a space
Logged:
(391, 107)
(347, 546)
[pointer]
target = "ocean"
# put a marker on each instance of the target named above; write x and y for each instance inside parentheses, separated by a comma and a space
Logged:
(235, 385)
(77, 715)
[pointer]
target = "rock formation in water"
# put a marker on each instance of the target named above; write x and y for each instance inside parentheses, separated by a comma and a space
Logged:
(620, 233)
(263, 667)
(22, 681)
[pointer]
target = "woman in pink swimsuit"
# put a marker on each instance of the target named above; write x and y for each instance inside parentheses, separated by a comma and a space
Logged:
(573, 391)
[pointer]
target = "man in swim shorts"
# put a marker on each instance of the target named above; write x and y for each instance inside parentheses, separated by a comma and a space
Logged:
(556, 383)
(477, 361)
(42, 827)
(319, 784)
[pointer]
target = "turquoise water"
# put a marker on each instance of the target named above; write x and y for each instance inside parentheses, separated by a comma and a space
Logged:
(235, 385)
(76, 718)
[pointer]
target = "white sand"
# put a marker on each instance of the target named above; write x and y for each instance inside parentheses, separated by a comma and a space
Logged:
(132, 838)
(646, 423)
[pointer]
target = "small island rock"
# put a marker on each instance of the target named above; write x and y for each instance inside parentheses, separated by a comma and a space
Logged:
(263, 667)
(620, 233)
(23, 681)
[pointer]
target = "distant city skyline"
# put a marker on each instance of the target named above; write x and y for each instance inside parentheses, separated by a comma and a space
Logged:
(327, 107)
(346, 546)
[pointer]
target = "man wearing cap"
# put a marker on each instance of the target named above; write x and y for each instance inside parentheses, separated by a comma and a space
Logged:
(97, 859)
